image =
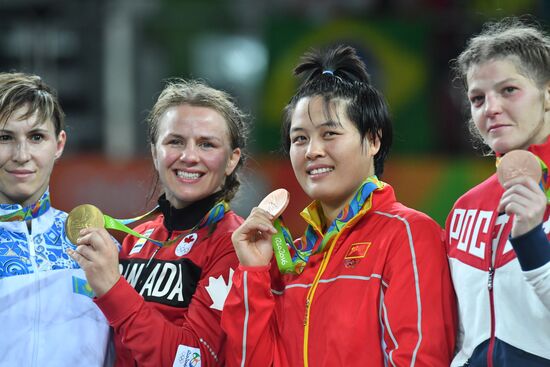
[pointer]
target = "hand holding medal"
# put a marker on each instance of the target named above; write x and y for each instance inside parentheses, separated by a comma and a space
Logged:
(83, 216)
(518, 163)
(521, 175)
(275, 204)
(96, 252)
(89, 216)
(260, 236)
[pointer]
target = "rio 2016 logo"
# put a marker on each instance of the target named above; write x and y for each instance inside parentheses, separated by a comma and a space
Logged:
(195, 360)
(280, 249)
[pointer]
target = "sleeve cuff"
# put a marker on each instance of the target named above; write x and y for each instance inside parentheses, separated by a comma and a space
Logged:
(532, 248)
(119, 302)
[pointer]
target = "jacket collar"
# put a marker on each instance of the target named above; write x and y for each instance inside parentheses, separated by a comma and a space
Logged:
(188, 217)
(31, 211)
(542, 150)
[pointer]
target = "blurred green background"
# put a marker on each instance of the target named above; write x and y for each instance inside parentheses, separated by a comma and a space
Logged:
(108, 60)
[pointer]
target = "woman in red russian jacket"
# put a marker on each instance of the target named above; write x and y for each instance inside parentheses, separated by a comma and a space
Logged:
(371, 285)
(166, 307)
(497, 236)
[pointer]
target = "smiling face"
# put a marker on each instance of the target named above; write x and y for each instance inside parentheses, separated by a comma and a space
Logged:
(28, 150)
(508, 109)
(327, 155)
(192, 154)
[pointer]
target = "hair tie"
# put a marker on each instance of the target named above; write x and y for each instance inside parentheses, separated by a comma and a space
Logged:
(330, 72)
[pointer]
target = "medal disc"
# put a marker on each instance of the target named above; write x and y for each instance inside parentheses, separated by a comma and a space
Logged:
(276, 202)
(519, 163)
(83, 216)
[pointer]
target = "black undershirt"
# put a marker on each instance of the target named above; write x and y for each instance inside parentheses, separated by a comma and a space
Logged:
(188, 217)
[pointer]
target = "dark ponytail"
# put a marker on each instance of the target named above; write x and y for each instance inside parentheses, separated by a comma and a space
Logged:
(339, 73)
(341, 62)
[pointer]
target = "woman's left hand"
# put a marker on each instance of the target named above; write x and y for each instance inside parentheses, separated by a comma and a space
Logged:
(97, 255)
(523, 198)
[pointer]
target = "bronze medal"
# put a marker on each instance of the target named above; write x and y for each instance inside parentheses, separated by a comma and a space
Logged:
(276, 202)
(519, 163)
(83, 216)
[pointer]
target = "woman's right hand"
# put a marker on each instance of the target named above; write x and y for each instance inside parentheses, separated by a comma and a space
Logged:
(524, 199)
(252, 240)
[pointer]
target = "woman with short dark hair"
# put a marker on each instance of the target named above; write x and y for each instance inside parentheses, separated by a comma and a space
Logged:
(369, 284)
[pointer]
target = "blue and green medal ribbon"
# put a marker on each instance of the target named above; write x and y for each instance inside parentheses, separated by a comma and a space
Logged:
(214, 215)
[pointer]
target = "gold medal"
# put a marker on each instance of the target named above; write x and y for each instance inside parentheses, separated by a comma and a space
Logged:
(83, 216)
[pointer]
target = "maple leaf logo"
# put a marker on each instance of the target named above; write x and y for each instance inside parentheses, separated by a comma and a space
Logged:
(218, 290)
(186, 244)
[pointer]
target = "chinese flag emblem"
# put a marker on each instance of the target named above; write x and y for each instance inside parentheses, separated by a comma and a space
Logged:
(358, 250)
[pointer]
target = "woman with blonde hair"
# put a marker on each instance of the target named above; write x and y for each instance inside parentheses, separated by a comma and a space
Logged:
(166, 307)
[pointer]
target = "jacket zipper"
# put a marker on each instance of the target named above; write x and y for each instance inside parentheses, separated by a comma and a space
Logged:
(142, 280)
(311, 293)
(158, 249)
(492, 250)
(36, 328)
(492, 306)
(322, 268)
(309, 299)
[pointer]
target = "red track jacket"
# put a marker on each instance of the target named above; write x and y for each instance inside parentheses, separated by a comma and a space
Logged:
(381, 295)
(175, 309)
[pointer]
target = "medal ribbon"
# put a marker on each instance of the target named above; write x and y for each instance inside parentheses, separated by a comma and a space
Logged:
(29, 212)
(293, 260)
(544, 181)
(214, 215)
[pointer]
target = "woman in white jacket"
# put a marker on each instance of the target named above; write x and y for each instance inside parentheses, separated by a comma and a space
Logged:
(46, 311)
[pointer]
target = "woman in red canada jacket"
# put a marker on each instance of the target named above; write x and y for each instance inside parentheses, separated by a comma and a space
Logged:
(166, 307)
(371, 285)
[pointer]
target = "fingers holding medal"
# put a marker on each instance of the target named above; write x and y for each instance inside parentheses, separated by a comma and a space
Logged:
(96, 252)
(520, 174)
(252, 240)
(83, 216)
